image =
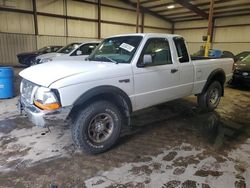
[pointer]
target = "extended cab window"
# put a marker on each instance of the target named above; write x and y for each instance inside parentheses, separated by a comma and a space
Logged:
(159, 50)
(181, 49)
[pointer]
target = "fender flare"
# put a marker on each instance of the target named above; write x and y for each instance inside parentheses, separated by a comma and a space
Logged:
(106, 89)
(211, 77)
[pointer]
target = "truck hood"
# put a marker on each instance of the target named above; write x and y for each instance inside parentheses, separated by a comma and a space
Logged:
(66, 57)
(48, 73)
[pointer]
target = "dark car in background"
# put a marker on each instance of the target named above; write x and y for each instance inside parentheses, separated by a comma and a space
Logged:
(241, 73)
(28, 58)
(242, 55)
(228, 54)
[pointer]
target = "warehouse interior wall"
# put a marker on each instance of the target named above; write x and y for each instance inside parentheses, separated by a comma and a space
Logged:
(17, 30)
(192, 31)
(230, 33)
(233, 34)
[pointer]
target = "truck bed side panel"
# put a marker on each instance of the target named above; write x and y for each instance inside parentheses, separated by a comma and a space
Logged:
(203, 68)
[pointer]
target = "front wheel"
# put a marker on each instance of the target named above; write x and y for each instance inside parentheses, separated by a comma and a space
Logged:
(97, 127)
(210, 99)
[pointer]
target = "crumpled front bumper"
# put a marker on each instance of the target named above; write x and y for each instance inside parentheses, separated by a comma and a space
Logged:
(42, 118)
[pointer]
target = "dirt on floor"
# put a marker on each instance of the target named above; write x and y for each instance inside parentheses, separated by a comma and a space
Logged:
(171, 145)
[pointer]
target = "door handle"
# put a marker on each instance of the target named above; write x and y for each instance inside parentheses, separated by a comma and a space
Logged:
(174, 70)
(125, 80)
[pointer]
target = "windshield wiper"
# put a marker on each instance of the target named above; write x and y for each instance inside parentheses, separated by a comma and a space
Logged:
(111, 59)
(107, 58)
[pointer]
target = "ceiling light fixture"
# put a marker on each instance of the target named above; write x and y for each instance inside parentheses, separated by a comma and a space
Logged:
(170, 6)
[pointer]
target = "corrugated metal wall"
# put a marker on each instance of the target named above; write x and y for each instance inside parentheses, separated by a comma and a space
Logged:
(227, 35)
(12, 44)
(233, 38)
(17, 29)
(50, 40)
(59, 40)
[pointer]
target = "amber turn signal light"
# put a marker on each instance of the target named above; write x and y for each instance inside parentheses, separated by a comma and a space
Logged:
(52, 106)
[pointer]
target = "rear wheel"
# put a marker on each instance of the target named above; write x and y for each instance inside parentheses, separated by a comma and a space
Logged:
(210, 99)
(97, 127)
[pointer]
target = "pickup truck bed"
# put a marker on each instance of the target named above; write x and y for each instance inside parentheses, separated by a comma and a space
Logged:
(193, 58)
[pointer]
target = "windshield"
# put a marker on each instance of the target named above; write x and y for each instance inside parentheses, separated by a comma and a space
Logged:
(246, 59)
(69, 48)
(242, 55)
(116, 49)
(44, 49)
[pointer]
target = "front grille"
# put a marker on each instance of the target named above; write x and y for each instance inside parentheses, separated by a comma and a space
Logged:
(237, 72)
(28, 90)
(242, 73)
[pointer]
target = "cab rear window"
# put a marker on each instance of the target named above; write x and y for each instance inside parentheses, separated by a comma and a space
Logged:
(181, 49)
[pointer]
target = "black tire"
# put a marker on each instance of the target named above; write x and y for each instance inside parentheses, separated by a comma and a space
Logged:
(97, 127)
(210, 99)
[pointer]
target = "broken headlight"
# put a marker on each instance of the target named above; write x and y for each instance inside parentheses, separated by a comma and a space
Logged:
(46, 99)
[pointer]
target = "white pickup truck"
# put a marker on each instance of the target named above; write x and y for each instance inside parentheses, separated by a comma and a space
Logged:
(125, 73)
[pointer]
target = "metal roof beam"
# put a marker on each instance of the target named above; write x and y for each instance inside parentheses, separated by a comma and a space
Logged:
(160, 5)
(146, 10)
(192, 8)
(148, 1)
(206, 9)
(197, 5)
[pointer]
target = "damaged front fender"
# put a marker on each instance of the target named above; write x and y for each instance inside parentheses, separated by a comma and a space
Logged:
(43, 118)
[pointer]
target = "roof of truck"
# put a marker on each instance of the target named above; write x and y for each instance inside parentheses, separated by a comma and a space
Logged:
(147, 34)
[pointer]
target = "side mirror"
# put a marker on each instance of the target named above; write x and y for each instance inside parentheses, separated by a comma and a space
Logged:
(180, 58)
(147, 60)
(78, 52)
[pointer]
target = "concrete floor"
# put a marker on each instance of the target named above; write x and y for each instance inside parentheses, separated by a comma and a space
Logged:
(171, 145)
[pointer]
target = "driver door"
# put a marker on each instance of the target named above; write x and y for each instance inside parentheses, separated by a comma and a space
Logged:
(158, 81)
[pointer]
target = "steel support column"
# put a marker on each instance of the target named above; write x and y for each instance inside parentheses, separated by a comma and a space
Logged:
(35, 16)
(66, 20)
(99, 18)
(142, 22)
(137, 15)
(210, 28)
(172, 28)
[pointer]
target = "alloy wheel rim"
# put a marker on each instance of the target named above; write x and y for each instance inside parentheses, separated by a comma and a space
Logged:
(214, 96)
(100, 128)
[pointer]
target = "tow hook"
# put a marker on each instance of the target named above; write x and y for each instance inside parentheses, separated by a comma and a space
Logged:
(20, 107)
(48, 129)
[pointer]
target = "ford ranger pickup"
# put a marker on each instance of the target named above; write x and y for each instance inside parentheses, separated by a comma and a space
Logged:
(124, 74)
